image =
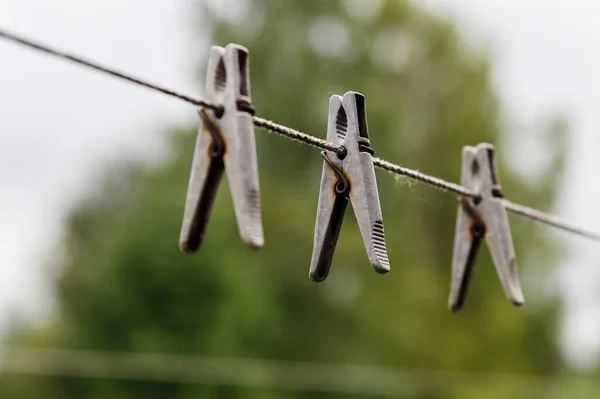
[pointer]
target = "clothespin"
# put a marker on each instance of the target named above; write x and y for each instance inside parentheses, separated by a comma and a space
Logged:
(482, 217)
(348, 177)
(225, 141)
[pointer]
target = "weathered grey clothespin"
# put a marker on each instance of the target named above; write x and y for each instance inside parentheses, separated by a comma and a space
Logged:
(349, 177)
(225, 141)
(482, 217)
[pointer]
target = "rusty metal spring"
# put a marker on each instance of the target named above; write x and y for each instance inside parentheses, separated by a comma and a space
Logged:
(301, 137)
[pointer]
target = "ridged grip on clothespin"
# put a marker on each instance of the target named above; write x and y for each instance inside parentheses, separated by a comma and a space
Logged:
(483, 217)
(225, 141)
(349, 177)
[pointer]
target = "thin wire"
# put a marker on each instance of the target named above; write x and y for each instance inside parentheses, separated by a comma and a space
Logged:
(201, 102)
(436, 182)
(277, 374)
(296, 135)
(550, 220)
(433, 181)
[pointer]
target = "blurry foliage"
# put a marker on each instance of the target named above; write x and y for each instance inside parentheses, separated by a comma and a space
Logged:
(123, 285)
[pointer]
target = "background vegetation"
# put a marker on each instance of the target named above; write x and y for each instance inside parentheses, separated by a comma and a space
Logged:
(122, 284)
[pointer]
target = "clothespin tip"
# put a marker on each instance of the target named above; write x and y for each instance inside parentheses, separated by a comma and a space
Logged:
(225, 145)
(348, 178)
(482, 218)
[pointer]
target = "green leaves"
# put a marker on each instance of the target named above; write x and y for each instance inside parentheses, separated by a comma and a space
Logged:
(123, 284)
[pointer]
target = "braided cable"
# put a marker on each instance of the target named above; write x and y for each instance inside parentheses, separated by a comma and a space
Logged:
(301, 137)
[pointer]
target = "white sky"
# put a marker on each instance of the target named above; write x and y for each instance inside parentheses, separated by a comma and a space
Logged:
(60, 123)
(546, 60)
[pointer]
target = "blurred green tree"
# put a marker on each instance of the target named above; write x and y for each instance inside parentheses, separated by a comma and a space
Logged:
(123, 285)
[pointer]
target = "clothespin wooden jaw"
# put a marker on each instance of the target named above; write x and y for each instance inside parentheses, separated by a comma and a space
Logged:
(225, 142)
(479, 218)
(351, 177)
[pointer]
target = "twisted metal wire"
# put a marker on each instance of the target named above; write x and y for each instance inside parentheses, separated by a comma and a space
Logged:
(433, 181)
(198, 101)
(298, 136)
(301, 137)
(548, 219)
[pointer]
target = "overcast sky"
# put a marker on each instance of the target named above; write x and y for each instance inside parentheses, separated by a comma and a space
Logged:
(59, 123)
